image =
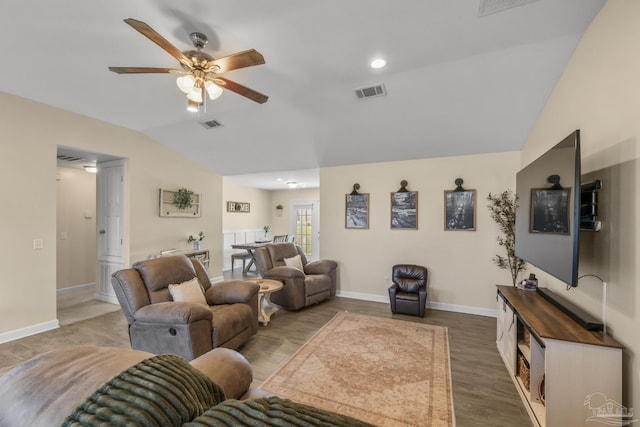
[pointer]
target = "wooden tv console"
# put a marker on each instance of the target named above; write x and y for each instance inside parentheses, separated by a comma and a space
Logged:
(555, 364)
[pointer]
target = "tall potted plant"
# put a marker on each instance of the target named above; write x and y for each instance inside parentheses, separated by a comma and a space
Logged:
(502, 208)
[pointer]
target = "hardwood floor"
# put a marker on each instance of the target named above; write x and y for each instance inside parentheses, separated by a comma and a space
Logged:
(482, 390)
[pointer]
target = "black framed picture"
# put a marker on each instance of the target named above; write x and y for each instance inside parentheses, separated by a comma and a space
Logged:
(460, 210)
(404, 210)
(356, 213)
(550, 210)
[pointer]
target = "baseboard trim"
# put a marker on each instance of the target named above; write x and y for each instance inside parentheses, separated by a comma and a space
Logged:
(112, 299)
(216, 279)
(76, 287)
(28, 331)
(479, 311)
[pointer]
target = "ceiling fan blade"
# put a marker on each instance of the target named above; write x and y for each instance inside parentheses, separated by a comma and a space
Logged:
(241, 90)
(152, 35)
(143, 70)
(247, 58)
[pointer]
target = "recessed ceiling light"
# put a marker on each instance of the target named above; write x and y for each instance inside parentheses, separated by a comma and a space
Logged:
(91, 169)
(292, 184)
(378, 63)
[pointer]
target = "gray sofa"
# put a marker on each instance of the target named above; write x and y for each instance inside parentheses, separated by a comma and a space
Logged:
(315, 283)
(158, 324)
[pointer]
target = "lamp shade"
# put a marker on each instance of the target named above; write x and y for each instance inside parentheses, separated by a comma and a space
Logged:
(195, 95)
(213, 89)
(186, 83)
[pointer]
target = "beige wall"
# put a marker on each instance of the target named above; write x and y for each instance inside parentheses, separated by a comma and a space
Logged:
(258, 216)
(599, 93)
(282, 224)
(75, 227)
(31, 133)
(462, 275)
(263, 207)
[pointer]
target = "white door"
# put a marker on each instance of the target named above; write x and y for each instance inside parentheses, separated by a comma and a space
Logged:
(110, 226)
(305, 225)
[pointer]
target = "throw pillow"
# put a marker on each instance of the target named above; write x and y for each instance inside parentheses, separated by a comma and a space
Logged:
(189, 291)
(295, 262)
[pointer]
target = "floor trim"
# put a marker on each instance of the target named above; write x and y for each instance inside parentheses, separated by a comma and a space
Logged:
(479, 311)
(76, 287)
(29, 330)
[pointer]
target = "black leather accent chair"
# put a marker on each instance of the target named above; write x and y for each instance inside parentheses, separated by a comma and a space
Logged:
(408, 293)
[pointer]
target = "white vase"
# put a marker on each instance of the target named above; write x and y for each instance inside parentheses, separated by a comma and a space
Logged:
(196, 245)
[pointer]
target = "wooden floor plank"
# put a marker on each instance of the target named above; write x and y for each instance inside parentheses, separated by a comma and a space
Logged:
(483, 393)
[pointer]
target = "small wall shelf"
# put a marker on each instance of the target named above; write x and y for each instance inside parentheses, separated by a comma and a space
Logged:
(168, 208)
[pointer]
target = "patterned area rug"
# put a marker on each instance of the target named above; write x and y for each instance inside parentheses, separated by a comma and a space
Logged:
(384, 371)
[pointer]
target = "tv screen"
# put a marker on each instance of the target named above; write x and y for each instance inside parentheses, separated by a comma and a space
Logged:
(548, 214)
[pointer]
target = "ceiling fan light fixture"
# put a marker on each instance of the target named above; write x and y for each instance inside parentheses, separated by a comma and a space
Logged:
(192, 106)
(195, 95)
(186, 83)
(213, 90)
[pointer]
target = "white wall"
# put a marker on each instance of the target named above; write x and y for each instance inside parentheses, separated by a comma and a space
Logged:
(75, 228)
(462, 275)
(31, 133)
(599, 93)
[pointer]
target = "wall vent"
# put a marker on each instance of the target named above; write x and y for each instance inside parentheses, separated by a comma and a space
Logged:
(210, 124)
(371, 91)
(67, 158)
(487, 7)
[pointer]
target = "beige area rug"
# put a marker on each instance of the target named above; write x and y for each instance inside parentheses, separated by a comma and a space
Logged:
(384, 371)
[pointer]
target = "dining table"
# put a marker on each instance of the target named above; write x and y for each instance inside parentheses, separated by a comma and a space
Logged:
(251, 249)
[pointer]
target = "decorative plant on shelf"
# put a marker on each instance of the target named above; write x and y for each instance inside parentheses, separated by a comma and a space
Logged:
(279, 207)
(503, 211)
(183, 198)
(196, 240)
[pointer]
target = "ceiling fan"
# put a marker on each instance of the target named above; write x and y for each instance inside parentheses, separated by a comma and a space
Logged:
(199, 69)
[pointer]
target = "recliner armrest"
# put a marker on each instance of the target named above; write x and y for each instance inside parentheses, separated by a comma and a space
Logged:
(320, 267)
(392, 290)
(227, 368)
(283, 272)
(171, 313)
(231, 292)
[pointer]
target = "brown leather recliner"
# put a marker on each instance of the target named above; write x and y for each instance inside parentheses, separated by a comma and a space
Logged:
(317, 281)
(157, 324)
(408, 293)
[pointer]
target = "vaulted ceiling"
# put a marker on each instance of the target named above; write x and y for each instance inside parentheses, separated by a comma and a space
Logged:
(461, 78)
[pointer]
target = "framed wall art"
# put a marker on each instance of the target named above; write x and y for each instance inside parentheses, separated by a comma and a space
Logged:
(460, 210)
(243, 207)
(404, 209)
(356, 214)
(550, 210)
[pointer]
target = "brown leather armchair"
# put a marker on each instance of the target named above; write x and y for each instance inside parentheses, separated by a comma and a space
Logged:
(157, 324)
(314, 283)
(408, 293)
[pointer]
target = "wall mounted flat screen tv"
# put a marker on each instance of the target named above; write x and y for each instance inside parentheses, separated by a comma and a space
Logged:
(548, 214)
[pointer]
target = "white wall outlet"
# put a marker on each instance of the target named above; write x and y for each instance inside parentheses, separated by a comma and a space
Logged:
(38, 244)
(63, 235)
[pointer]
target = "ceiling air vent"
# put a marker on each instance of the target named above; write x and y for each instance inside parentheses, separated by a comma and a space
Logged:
(210, 124)
(70, 158)
(371, 91)
(487, 7)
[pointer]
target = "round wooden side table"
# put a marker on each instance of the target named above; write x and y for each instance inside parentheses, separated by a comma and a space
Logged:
(266, 308)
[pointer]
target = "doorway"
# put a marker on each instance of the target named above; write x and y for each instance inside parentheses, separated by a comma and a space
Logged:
(305, 226)
(78, 281)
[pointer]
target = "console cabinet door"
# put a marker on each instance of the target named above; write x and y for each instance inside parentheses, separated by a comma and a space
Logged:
(506, 334)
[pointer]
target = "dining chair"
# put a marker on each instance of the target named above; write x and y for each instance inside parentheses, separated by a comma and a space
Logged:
(280, 238)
